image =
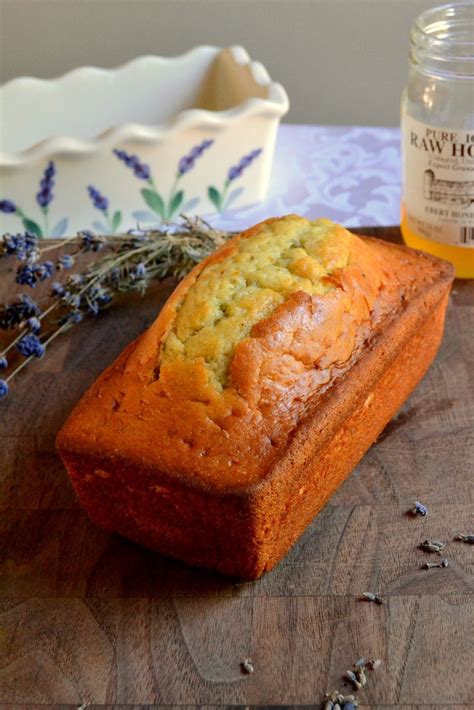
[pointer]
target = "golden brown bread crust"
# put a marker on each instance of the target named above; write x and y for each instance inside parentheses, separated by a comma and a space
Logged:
(159, 468)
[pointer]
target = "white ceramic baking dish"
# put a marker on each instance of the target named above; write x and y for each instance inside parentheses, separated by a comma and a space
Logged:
(109, 148)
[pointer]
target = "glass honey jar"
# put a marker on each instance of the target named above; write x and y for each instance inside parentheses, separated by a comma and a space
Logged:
(437, 120)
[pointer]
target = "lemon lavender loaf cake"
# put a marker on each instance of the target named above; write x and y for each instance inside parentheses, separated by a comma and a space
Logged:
(218, 435)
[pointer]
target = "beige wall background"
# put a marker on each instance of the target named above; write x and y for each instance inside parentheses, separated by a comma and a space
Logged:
(341, 61)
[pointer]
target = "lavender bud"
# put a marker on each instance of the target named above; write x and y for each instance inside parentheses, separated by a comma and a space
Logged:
(373, 664)
(34, 324)
(3, 362)
(66, 261)
(353, 679)
(247, 666)
(373, 597)
(140, 271)
(7, 206)
(29, 346)
(420, 509)
(3, 388)
(57, 289)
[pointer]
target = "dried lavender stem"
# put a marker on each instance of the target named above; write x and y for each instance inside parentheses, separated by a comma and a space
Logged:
(55, 246)
(19, 368)
(102, 272)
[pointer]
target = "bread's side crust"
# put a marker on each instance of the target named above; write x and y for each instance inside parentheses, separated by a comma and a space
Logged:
(245, 532)
(313, 467)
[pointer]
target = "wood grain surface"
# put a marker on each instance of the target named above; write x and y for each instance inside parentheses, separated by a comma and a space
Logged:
(88, 617)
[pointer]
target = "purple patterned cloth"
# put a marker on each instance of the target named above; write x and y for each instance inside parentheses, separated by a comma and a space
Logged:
(350, 174)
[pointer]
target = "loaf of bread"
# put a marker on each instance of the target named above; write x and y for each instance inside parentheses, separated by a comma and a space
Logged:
(218, 435)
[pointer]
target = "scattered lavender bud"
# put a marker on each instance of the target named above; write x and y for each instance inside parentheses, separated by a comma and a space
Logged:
(360, 663)
(3, 388)
(430, 565)
(373, 664)
(247, 665)
(3, 362)
(350, 706)
(432, 546)
(465, 538)
(420, 509)
(373, 597)
(350, 675)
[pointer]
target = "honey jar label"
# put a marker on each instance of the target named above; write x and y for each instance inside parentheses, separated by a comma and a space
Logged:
(438, 182)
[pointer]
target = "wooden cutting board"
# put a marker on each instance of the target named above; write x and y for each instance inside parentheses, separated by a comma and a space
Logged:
(87, 617)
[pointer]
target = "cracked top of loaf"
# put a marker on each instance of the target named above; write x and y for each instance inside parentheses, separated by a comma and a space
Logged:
(250, 340)
(231, 296)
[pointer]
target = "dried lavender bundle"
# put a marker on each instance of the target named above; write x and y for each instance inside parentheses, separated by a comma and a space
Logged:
(129, 262)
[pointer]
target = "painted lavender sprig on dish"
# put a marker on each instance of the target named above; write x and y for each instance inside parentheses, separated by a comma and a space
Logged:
(165, 209)
(101, 203)
(44, 197)
(45, 194)
(219, 198)
(130, 262)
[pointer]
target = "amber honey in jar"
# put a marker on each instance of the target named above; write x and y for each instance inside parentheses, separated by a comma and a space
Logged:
(438, 136)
